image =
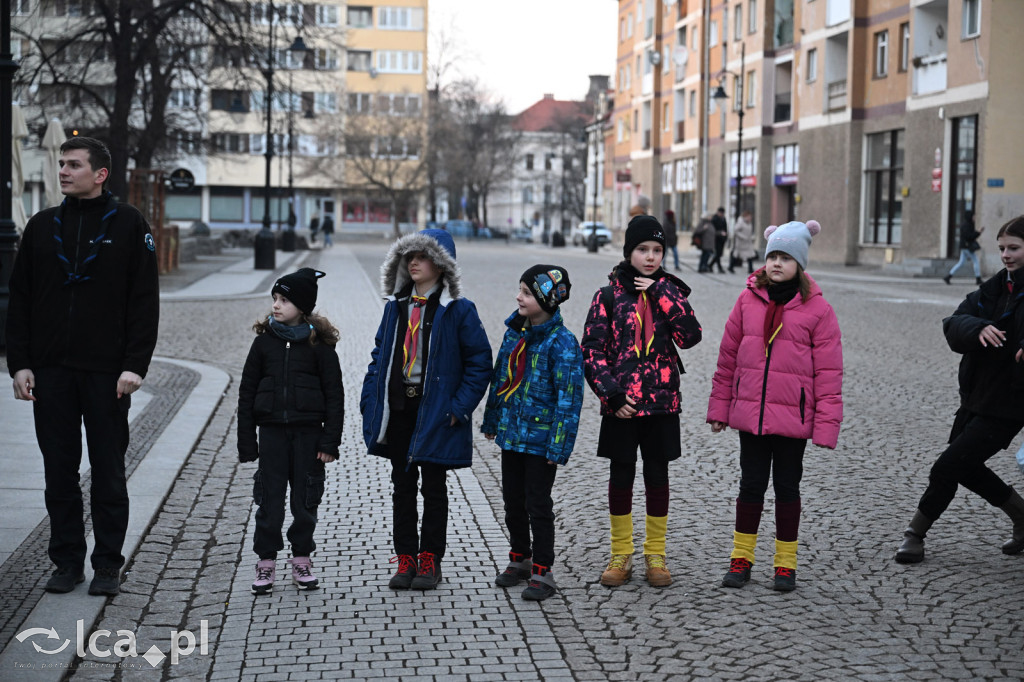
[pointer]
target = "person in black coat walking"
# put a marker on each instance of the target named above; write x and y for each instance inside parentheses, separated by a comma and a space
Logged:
(968, 245)
(721, 237)
(988, 330)
(291, 390)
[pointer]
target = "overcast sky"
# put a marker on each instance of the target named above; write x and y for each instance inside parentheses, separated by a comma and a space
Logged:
(522, 49)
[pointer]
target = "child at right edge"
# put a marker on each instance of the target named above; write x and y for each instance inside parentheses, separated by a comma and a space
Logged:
(532, 413)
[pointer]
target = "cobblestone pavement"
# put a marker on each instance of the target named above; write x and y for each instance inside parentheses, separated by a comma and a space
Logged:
(855, 615)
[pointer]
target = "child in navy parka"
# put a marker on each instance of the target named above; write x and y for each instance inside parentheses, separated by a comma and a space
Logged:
(532, 413)
(428, 371)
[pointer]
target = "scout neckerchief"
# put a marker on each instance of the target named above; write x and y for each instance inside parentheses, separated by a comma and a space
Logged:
(515, 369)
(778, 296)
(71, 270)
(412, 333)
(643, 335)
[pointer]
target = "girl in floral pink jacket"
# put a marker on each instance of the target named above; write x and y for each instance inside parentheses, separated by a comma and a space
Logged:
(779, 382)
(630, 361)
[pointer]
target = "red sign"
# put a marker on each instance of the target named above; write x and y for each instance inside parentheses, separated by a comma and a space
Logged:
(936, 173)
(936, 184)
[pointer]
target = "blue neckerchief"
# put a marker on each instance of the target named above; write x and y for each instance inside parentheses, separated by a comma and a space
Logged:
(299, 332)
(71, 270)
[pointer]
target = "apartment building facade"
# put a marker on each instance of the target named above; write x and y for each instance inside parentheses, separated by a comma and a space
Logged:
(886, 120)
(360, 58)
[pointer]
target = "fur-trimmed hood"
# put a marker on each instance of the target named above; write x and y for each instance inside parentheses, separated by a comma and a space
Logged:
(438, 244)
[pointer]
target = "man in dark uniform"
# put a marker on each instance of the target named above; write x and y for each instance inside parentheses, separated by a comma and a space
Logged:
(81, 329)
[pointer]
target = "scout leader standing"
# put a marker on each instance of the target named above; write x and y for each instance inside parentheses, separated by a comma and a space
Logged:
(81, 329)
(630, 361)
(428, 371)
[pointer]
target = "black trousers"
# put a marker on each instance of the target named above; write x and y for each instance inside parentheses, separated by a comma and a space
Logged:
(433, 533)
(65, 398)
(287, 460)
(526, 482)
(972, 443)
(776, 457)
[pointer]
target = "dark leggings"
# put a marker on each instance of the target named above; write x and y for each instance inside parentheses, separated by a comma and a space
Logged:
(776, 457)
(972, 443)
(620, 487)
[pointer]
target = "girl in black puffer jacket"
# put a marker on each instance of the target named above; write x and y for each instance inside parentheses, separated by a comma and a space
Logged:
(291, 389)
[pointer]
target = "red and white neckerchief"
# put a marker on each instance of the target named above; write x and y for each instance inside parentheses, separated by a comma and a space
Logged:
(514, 369)
(412, 334)
(643, 336)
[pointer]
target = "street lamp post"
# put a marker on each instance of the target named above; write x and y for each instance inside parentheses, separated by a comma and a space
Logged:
(264, 245)
(288, 237)
(8, 234)
(720, 94)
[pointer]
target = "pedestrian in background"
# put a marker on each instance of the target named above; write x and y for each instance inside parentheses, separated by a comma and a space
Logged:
(81, 328)
(328, 229)
(291, 391)
(987, 329)
(743, 243)
(704, 239)
(671, 235)
(314, 226)
(533, 413)
(721, 237)
(968, 245)
(630, 361)
(778, 382)
(428, 371)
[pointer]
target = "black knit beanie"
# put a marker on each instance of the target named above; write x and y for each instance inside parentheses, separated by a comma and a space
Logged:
(299, 288)
(642, 228)
(549, 284)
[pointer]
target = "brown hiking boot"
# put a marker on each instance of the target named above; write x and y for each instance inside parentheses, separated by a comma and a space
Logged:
(657, 573)
(618, 571)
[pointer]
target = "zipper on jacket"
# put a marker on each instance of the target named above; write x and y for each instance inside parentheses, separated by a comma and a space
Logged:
(764, 390)
(426, 380)
(803, 401)
(287, 348)
(71, 303)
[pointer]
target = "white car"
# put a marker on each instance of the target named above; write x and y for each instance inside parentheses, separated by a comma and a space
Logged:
(587, 228)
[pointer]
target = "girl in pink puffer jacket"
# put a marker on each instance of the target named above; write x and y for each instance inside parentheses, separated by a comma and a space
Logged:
(779, 382)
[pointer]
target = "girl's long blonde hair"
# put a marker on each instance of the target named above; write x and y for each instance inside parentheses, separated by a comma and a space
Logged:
(323, 331)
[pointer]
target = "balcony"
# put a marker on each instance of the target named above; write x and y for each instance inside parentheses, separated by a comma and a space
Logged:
(929, 74)
(782, 107)
(680, 131)
(836, 96)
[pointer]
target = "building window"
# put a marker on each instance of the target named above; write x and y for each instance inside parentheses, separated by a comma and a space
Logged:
(325, 103)
(20, 7)
(360, 17)
(963, 171)
(358, 60)
(904, 63)
(399, 61)
(725, 24)
(326, 59)
(751, 88)
(183, 99)
(752, 16)
(883, 178)
(666, 123)
(327, 15)
(713, 33)
(629, 25)
(693, 103)
(972, 18)
(529, 162)
(812, 65)
(527, 195)
(738, 19)
(229, 100)
(548, 161)
(358, 103)
(882, 54)
(400, 18)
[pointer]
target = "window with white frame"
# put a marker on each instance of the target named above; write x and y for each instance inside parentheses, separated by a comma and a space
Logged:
(713, 33)
(812, 65)
(752, 16)
(693, 103)
(620, 131)
(20, 7)
(725, 24)
(972, 19)
(737, 94)
(359, 60)
(629, 25)
(326, 59)
(183, 99)
(751, 88)
(399, 61)
(904, 61)
(738, 21)
(327, 15)
(359, 17)
(400, 18)
(325, 103)
(528, 195)
(288, 14)
(882, 54)
(359, 102)
(666, 122)
(883, 178)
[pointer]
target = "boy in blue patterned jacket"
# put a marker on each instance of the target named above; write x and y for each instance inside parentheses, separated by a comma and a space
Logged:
(532, 413)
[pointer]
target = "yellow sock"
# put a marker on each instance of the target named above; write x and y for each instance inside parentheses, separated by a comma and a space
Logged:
(622, 534)
(785, 554)
(743, 545)
(654, 542)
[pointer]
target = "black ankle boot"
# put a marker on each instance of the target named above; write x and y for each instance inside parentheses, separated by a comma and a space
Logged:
(911, 550)
(1014, 508)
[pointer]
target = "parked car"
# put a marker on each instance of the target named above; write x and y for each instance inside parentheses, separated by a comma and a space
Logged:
(587, 228)
(459, 228)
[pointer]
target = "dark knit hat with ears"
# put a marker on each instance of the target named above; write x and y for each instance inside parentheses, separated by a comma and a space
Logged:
(642, 228)
(299, 288)
(549, 284)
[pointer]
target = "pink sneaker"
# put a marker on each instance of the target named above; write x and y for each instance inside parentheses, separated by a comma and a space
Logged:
(302, 573)
(265, 572)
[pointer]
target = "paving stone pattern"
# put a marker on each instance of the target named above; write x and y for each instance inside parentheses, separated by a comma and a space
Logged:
(28, 568)
(855, 615)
